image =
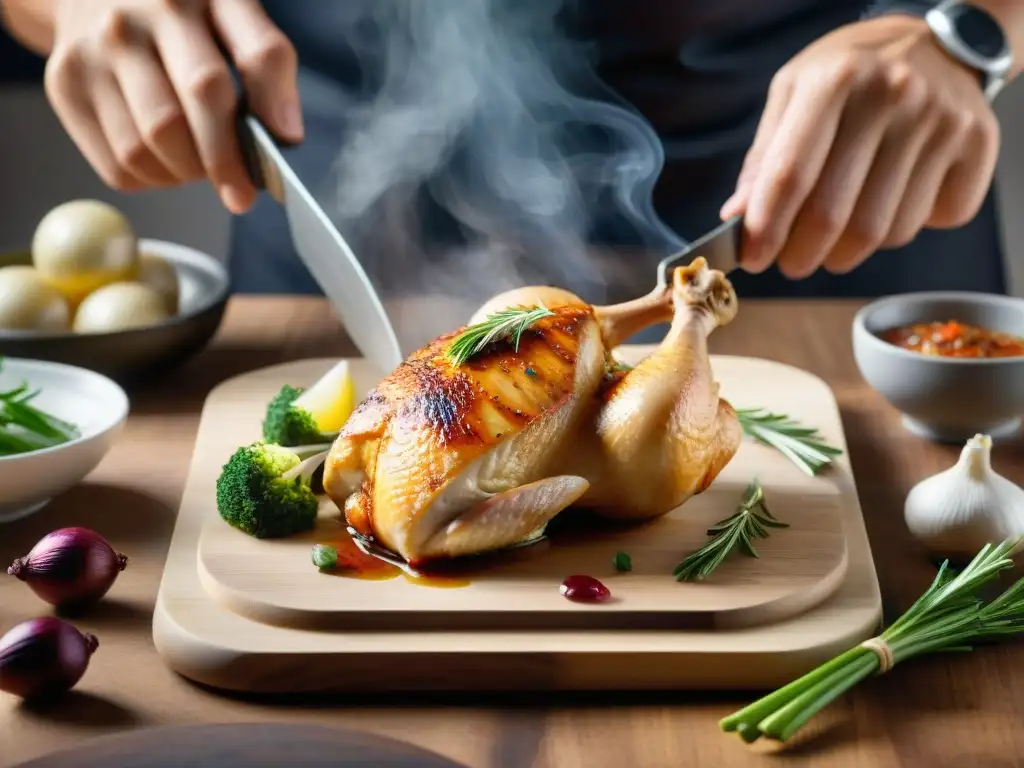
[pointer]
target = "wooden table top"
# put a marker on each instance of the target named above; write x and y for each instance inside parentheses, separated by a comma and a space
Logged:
(944, 710)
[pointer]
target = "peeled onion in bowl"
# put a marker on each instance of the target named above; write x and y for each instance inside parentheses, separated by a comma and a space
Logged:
(82, 245)
(162, 277)
(29, 303)
(120, 307)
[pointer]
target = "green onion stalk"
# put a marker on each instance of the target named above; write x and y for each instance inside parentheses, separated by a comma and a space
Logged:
(25, 428)
(949, 616)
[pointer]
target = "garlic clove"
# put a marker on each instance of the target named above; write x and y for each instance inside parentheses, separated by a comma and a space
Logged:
(956, 512)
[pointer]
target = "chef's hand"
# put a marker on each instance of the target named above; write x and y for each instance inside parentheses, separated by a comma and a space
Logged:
(142, 89)
(869, 135)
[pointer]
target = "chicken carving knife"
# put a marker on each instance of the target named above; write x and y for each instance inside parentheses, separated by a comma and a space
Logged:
(318, 242)
(720, 246)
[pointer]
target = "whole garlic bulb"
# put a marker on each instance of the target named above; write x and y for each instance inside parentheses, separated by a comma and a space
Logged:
(956, 512)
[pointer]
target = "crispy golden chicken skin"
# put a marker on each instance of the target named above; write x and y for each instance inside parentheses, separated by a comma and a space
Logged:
(441, 461)
(429, 463)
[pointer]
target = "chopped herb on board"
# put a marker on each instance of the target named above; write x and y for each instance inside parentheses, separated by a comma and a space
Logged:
(622, 562)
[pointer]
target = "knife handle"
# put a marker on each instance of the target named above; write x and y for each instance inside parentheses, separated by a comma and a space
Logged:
(260, 166)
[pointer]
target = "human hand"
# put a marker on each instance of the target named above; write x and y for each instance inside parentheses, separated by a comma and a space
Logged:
(869, 135)
(144, 92)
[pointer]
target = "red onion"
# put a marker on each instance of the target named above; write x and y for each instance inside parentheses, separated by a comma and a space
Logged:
(42, 657)
(70, 568)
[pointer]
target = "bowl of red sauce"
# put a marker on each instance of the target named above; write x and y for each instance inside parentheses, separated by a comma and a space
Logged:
(952, 363)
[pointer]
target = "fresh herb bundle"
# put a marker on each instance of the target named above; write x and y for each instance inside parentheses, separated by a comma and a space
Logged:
(25, 428)
(750, 521)
(508, 324)
(949, 616)
(804, 446)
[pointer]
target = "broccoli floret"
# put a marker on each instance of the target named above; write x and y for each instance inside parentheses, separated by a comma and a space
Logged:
(286, 424)
(306, 416)
(264, 489)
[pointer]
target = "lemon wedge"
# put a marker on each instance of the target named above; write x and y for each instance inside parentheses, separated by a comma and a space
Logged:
(331, 400)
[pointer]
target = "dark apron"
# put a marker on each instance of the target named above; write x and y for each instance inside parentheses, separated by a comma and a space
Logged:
(698, 71)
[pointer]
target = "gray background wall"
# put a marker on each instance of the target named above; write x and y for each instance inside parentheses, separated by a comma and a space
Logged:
(40, 167)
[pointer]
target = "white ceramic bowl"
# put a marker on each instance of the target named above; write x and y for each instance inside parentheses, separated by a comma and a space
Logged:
(92, 402)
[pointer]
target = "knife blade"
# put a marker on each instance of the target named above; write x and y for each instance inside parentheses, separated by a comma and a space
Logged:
(720, 246)
(318, 242)
(321, 247)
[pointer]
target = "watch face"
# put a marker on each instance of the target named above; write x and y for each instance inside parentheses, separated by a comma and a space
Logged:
(978, 30)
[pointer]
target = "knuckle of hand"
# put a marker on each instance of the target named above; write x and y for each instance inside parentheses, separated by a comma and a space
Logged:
(963, 126)
(760, 230)
(899, 77)
(935, 113)
(61, 67)
(273, 52)
(908, 89)
(132, 155)
(162, 126)
(966, 125)
(848, 68)
(113, 28)
(177, 6)
(213, 87)
(824, 217)
(948, 122)
(787, 180)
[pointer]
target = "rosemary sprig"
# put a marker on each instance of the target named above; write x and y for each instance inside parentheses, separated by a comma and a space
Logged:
(804, 446)
(949, 616)
(506, 324)
(751, 520)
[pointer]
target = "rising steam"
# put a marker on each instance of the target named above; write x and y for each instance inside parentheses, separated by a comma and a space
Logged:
(481, 154)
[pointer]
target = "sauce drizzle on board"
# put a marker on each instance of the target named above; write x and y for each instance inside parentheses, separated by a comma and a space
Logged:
(360, 557)
(954, 339)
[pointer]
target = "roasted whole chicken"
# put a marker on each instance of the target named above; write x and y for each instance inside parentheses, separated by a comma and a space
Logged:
(445, 460)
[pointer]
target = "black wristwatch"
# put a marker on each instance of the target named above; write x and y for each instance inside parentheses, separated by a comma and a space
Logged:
(969, 33)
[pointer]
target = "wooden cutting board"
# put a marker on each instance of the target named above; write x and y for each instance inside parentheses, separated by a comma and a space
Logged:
(244, 614)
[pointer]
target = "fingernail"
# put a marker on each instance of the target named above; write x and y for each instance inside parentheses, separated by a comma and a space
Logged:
(289, 119)
(234, 199)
